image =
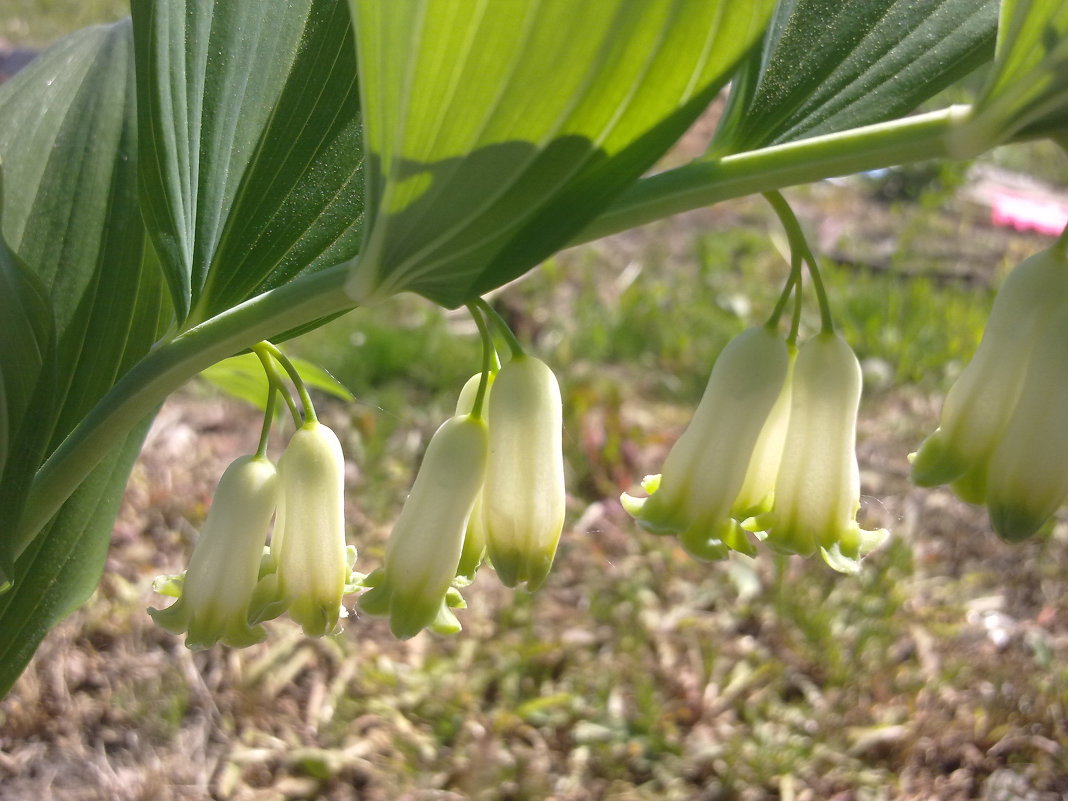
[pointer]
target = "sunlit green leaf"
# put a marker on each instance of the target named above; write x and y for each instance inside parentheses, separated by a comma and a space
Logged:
(250, 143)
(829, 65)
(243, 377)
(496, 131)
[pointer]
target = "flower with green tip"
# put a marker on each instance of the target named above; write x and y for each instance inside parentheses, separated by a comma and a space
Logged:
(984, 400)
(729, 454)
(1004, 427)
(524, 497)
(817, 488)
(414, 587)
(1027, 477)
(217, 589)
(312, 560)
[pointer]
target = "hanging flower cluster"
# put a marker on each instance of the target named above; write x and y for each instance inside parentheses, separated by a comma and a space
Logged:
(1003, 437)
(234, 582)
(488, 488)
(770, 450)
(491, 486)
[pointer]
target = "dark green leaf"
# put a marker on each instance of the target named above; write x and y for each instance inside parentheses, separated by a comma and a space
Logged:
(829, 65)
(497, 130)
(26, 358)
(250, 143)
(69, 146)
(60, 568)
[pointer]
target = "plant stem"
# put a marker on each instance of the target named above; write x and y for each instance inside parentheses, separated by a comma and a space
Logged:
(799, 249)
(298, 382)
(488, 352)
(509, 337)
(705, 182)
(275, 380)
(268, 418)
(165, 369)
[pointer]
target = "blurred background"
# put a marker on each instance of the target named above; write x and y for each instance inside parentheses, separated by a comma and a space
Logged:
(940, 672)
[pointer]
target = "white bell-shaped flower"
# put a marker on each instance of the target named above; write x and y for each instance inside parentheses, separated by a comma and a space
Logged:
(978, 407)
(312, 561)
(414, 586)
(735, 433)
(817, 490)
(217, 589)
(523, 500)
(1028, 474)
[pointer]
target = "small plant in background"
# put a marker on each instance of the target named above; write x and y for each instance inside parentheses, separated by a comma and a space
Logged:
(219, 179)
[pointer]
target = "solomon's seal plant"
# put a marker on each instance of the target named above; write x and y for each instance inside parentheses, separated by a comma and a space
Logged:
(174, 172)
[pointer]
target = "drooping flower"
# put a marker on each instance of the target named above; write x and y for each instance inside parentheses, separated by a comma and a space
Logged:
(312, 561)
(217, 589)
(981, 402)
(474, 550)
(1028, 474)
(817, 489)
(414, 586)
(728, 456)
(523, 500)
(1002, 436)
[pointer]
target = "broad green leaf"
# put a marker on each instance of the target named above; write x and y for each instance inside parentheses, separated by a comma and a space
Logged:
(243, 377)
(68, 142)
(1028, 88)
(250, 143)
(60, 568)
(25, 359)
(495, 131)
(828, 65)
(71, 216)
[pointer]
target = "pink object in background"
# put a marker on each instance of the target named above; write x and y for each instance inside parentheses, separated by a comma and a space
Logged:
(1047, 216)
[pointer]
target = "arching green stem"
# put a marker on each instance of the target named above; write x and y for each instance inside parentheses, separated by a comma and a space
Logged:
(294, 376)
(163, 370)
(275, 380)
(268, 418)
(799, 248)
(502, 327)
(488, 353)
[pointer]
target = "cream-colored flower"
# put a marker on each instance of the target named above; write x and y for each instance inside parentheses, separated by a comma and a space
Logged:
(312, 561)
(731, 445)
(414, 586)
(1028, 473)
(817, 489)
(523, 500)
(217, 589)
(981, 402)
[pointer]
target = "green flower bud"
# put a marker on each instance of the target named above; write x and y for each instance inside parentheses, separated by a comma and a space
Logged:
(733, 435)
(980, 404)
(414, 586)
(523, 500)
(218, 586)
(817, 490)
(309, 541)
